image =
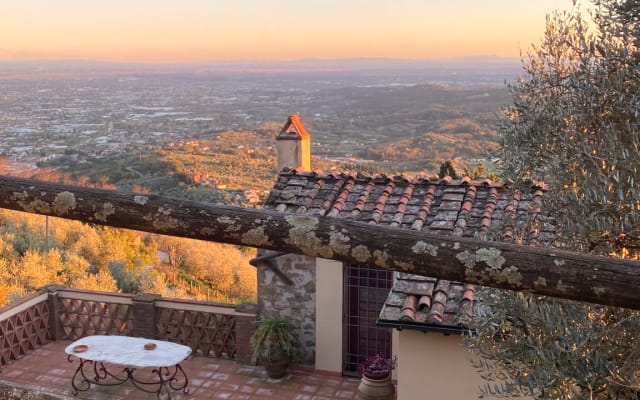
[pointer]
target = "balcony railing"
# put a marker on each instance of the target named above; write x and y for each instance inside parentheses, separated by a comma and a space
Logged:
(59, 313)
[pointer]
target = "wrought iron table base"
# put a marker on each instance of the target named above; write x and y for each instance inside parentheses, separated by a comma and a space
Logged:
(94, 372)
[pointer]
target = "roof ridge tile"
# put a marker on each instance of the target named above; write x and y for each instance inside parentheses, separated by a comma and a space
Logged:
(402, 205)
(427, 202)
(342, 197)
(381, 201)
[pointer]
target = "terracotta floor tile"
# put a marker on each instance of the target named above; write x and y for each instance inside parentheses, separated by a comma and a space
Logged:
(58, 371)
(210, 366)
(47, 368)
(212, 385)
(333, 382)
(264, 392)
(350, 384)
(220, 376)
(247, 388)
(231, 387)
(314, 379)
(194, 394)
(240, 396)
(345, 394)
(326, 391)
(11, 373)
(309, 388)
(236, 379)
(196, 382)
(222, 395)
(246, 370)
(204, 374)
(227, 368)
(41, 379)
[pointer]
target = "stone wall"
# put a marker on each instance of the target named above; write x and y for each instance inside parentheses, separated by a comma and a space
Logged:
(12, 391)
(297, 301)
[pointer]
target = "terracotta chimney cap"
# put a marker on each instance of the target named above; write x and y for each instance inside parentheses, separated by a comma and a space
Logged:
(294, 126)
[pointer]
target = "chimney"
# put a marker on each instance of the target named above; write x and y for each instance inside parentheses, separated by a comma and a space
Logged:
(294, 145)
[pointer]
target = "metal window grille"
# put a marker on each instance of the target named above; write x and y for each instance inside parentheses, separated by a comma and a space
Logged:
(365, 291)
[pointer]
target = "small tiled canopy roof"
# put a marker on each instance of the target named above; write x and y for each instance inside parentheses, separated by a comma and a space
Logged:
(463, 208)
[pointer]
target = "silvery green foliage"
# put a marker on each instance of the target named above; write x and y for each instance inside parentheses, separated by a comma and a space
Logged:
(574, 124)
(555, 349)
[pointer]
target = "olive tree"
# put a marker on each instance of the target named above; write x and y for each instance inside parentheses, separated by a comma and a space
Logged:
(574, 124)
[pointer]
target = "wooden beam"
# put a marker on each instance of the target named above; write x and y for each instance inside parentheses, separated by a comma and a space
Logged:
(595, 279)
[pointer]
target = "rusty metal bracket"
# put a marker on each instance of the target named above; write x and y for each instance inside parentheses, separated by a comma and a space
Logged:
(267, 259)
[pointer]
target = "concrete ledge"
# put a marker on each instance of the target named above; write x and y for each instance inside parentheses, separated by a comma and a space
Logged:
(12, 391)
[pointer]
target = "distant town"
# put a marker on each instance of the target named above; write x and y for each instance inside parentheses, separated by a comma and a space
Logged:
(377, 116)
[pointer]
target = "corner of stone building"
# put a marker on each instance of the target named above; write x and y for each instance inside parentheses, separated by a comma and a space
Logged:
(297, 301)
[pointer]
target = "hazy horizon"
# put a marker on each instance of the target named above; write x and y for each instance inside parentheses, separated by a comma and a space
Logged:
(460, 70)
(266, 61)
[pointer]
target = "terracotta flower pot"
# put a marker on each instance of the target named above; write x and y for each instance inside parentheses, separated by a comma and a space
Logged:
(375, 389)
(376, 375)
(276, 366)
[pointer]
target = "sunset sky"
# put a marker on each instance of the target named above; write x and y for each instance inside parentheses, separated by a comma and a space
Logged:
(210, 30)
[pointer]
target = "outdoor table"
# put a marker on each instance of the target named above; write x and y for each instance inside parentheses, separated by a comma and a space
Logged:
(130, 353)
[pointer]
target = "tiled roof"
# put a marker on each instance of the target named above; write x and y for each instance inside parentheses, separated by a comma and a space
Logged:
(427, 303)
(465, 208)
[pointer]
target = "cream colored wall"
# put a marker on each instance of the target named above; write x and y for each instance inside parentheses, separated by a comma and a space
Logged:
(437, 365)
(395, 340)
(329, 315)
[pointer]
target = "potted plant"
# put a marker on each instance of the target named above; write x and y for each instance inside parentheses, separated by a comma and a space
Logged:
(273, 345)
(375, 382)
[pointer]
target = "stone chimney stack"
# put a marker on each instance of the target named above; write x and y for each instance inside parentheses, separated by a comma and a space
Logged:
(294, 145)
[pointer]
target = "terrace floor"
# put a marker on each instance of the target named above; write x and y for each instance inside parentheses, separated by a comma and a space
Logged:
(46, 369)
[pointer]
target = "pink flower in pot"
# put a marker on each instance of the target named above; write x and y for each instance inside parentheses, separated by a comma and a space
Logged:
(377, 366)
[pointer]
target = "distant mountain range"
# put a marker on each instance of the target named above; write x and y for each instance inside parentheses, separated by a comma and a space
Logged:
(467, 70)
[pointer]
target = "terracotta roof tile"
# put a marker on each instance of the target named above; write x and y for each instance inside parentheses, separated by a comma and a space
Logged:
(421, 288)
(409, 308)
(424, 303)
(459, 207)
(342, 198)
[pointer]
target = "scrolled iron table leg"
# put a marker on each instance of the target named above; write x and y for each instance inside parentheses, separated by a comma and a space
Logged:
(168, 379)
(177, 378)
(84, 381)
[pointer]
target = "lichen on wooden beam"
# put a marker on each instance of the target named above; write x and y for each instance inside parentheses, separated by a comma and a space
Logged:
(595, 279)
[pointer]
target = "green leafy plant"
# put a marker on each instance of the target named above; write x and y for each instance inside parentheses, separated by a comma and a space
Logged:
(273, 337)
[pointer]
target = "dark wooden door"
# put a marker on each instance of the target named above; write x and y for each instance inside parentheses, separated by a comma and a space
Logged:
(365, 290)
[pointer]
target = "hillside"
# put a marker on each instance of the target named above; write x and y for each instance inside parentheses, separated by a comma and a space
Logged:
(372, 128)
(210, 140)
(35, 251)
